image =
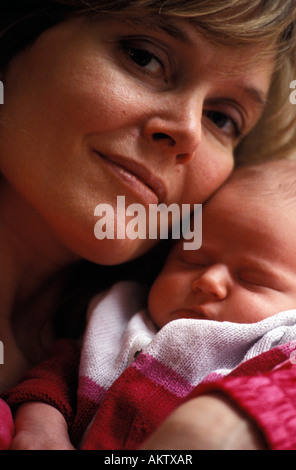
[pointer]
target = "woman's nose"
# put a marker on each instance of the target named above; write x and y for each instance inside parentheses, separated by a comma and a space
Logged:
(177, 129)
(213, 282)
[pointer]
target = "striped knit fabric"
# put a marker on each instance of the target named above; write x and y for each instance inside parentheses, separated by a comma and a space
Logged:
(132, 376)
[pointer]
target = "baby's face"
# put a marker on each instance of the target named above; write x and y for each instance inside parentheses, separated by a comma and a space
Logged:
(245, 270)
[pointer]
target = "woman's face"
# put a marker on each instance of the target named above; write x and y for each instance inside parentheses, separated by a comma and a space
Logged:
(148, 110)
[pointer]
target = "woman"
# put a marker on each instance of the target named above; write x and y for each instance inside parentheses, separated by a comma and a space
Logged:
(111, 98)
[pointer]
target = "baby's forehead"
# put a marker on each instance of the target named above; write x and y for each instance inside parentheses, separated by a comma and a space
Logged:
(257, 196)
(247, 204)
(235, 203)
(274, 178)
(262, 185)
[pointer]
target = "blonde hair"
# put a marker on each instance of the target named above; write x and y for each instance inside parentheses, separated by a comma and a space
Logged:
(269, 23)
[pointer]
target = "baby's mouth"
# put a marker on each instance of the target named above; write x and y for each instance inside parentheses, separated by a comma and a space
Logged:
(194, 314)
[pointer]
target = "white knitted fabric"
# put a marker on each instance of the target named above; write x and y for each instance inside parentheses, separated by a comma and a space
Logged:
(119, 327)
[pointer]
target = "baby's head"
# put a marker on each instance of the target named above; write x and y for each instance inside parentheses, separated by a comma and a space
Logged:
(245, 269)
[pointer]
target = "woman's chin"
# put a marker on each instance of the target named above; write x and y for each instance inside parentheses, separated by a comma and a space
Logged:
(112, 252)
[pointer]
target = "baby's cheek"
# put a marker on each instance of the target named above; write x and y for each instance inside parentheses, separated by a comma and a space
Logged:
(161, 299)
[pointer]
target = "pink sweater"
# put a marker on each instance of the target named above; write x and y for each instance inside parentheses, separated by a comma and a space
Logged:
(120, 412)
(264, 389)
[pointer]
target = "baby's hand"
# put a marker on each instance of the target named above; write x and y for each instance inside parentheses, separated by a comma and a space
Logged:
(39, 426)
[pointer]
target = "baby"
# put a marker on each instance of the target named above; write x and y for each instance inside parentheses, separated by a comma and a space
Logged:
(244, 273)
(245, 270)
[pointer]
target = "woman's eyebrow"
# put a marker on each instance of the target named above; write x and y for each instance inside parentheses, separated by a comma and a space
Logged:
(176, 32)
(256, 95)
(161, 24)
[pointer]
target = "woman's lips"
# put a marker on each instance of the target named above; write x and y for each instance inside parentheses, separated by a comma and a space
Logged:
(137, 178)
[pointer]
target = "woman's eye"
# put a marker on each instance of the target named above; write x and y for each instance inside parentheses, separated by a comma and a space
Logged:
(145, 60)
(227, 124)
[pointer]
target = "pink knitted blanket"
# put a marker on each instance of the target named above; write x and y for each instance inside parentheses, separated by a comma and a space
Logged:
(132, 376)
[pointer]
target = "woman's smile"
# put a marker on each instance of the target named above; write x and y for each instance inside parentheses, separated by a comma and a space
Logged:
(138, 179)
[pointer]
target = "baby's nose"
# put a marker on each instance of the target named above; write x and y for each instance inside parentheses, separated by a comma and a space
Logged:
(214, 281)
